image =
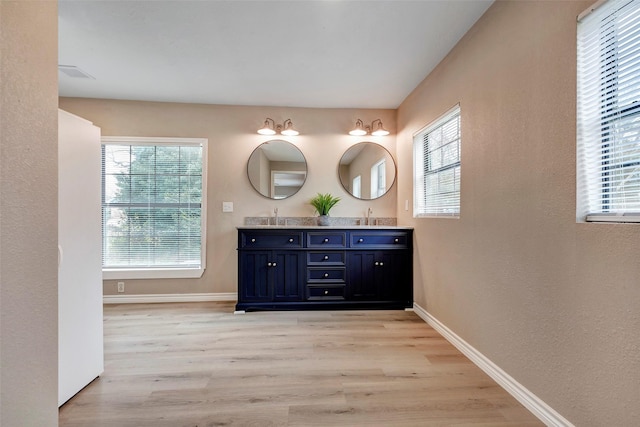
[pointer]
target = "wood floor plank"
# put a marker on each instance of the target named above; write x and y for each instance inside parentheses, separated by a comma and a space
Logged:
(199, 365)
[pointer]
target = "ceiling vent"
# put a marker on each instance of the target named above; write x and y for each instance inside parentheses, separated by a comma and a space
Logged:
(75, 72)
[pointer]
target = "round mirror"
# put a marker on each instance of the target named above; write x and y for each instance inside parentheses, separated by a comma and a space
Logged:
(277, 169)
(367, 170)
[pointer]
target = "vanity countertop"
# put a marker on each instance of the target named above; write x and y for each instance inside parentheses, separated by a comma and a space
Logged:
(323, 227)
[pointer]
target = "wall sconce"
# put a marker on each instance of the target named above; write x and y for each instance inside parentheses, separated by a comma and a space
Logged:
(375, 129)
(271, 128)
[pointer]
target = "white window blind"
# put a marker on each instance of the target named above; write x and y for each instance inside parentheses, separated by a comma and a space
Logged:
(153, 205)
(608, 113)
(436, 153)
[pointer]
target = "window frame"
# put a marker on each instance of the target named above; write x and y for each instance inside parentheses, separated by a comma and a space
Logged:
(113, 273)
(420, 206)
(356, 186)
(378, 179)
(599, 112)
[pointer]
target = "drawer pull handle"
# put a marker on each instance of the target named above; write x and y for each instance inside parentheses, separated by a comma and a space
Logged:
(360, 240)
(326, 292)
(396, 240)
(326, 274)
(291, 240)
(326, 257)
(253, 240)
(326, 240)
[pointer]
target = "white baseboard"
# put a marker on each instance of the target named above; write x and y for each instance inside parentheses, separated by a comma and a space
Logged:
(533, 403)
(153, 298)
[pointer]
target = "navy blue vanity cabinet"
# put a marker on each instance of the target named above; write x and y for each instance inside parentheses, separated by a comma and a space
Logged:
(315, 268)
(379, 276)
(326, 266)
(271, 276)
(380, 262)
(270, 268)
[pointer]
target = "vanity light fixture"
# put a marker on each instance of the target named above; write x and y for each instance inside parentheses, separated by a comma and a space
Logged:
(288, 128)
(359, 130)
(271, 128)
(375, 129)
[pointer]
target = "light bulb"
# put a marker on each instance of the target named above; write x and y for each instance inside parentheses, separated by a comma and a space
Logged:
(266, 131)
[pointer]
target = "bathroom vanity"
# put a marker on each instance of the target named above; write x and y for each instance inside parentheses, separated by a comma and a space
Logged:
(311, 268)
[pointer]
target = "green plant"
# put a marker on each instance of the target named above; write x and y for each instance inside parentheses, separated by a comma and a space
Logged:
(323, 203)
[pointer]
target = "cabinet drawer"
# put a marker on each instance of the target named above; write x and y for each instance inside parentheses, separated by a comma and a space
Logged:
(326, 239)
(325, 275)
(379, 240)
(276, 240)
(325, 292)
(325, 258)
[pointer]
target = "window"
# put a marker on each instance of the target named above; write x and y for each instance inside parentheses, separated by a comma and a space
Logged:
(436, 154)
(608, 113)
(356, 190)
(378, 179)
(153, 207)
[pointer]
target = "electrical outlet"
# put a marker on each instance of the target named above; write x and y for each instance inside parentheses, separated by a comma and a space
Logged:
(227, 206)
(120, 286)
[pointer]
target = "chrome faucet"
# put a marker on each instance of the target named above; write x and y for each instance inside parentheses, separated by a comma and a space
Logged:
(275, 211)
(369, 212)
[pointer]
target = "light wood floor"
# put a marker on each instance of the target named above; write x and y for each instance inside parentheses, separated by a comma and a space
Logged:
(198, 364)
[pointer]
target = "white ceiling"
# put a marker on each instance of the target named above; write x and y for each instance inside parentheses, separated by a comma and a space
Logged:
(301, 53)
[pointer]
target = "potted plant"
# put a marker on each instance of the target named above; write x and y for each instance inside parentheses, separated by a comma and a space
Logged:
(323, 204)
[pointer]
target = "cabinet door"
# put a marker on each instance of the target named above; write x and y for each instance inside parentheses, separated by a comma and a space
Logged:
(393, 273)
(361, 279)
(254, 276)
(379, 275)
(288, 275)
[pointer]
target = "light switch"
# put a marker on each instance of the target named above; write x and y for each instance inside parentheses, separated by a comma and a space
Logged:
(406, 205)
(227, 206)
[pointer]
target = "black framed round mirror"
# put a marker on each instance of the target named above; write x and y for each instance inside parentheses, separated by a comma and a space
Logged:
(277, 169)
(367, 170)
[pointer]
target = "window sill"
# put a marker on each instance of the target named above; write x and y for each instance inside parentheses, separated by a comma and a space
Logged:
(441, 215)
(614, 218)
(159, 273)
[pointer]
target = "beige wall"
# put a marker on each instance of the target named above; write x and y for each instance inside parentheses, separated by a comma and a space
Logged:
(231, 131)
(28, 214)
(552, 302)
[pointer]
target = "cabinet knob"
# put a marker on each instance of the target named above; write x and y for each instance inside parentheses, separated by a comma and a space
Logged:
(381, 263)
(326, 292)
(253, 240)
(273, 265)
(376, 263)
(268, 264)
(396, 240)
(326, 257)
(360, 240)
(291, 240)
(326, 240)
(326, 274)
